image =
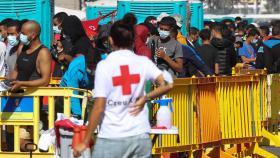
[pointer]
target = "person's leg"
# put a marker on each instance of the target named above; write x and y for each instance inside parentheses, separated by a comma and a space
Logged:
(110, 148)
(141, 147)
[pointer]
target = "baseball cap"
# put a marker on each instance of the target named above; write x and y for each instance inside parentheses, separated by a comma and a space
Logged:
(179, 20)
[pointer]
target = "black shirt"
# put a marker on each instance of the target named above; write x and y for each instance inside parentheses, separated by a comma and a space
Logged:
(209, 55)
(26, 65)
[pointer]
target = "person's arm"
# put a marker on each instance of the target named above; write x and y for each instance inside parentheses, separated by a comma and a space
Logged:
(176, 65)
(13, 74)
(44, 61)
(95, 118)
(217, 68)
(196, 60)
(247, 60)
(162, 88)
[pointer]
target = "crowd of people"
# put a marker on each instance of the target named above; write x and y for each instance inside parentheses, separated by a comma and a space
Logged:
(147, 51)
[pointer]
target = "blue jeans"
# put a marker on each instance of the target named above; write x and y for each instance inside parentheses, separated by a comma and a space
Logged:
(139, 146)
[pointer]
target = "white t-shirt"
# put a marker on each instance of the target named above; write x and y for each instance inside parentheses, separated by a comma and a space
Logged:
(121, 78)
(2, 59)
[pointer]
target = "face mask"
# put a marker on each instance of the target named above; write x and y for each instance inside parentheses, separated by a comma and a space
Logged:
(254, 41)
(2, 39)
(270, 31)
(163, 34)
(12, 40)
(56, 30)
(24, 40)
(147, 41)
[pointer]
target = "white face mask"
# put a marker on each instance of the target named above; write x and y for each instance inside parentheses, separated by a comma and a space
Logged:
(2, 39)
(147, 41)
(254, 41)
(56, 30)
(24, 39)
(12, 40)
(163, 34)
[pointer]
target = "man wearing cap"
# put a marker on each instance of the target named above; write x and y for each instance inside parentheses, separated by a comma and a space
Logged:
(179, 21)
(168, 51)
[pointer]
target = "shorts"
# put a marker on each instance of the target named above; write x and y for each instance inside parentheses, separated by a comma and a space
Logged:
(139, 146)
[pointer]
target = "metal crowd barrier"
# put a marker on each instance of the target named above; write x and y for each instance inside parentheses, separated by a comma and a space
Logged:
(216, 117)
(23, 109)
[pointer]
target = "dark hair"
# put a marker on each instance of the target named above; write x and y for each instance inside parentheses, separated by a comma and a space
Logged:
(265, 29)
(217, 27)
(15, 23)
(227, 21)
(122, 34)
(251, 26)
(276, 28)
(149, 18)
(129, 19)
(253, 32)
(205, 34)
(231, 26)
(72, 26)
(208, 23)
(152, 29)
(241, 26)
(60, 16)
(194, 31)
(240, 43)
(238, 18)
(5, 22)
(168, 21)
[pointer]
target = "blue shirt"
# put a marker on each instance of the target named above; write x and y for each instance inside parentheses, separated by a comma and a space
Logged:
(247, 51)
(76, 77)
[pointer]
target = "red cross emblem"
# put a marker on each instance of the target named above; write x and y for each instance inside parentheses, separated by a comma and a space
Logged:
(126, 80)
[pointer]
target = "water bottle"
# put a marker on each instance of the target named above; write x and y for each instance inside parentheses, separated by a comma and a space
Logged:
(164, 113)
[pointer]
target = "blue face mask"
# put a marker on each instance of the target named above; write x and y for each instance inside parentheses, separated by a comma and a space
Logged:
(56, 30)
(2, 39)
(24, 39)
(163, 34)
(254, 41)
(12, 40)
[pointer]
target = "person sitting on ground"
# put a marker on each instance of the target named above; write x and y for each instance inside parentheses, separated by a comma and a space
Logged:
(33, 67)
